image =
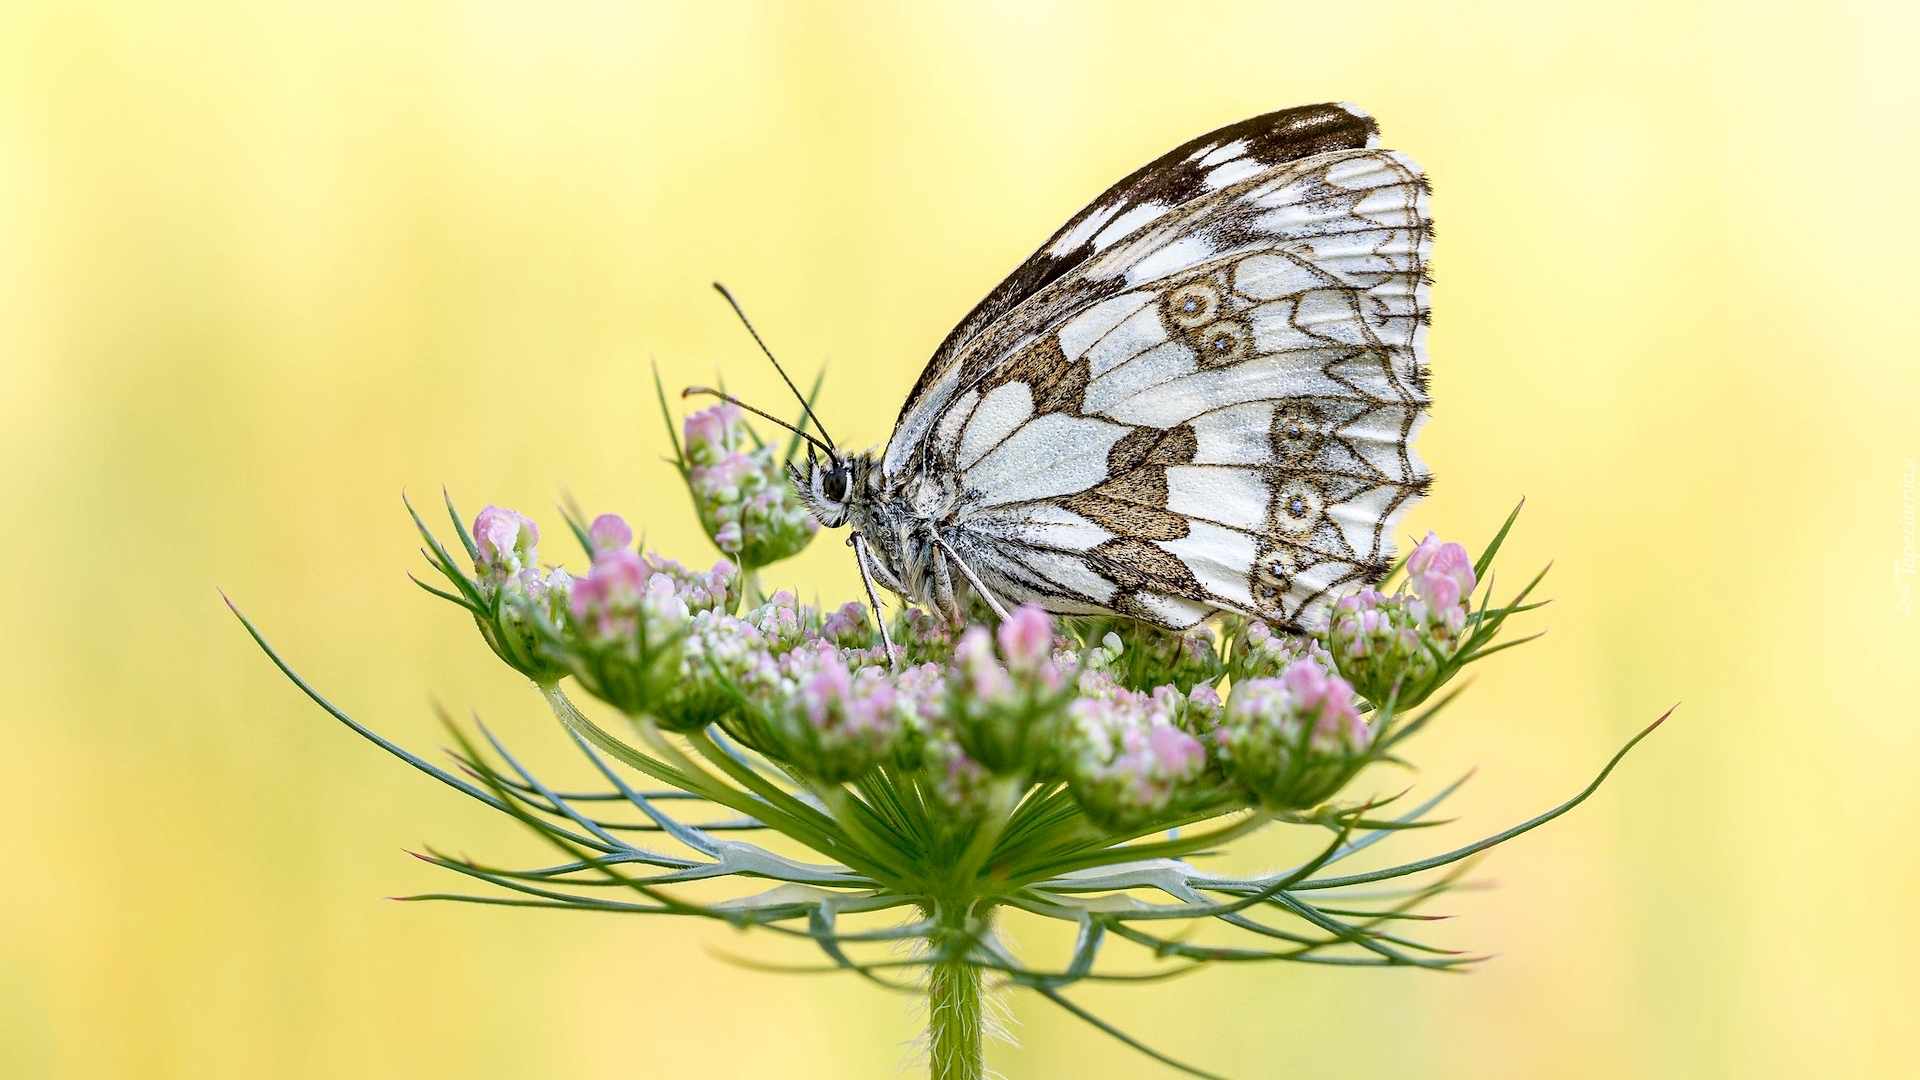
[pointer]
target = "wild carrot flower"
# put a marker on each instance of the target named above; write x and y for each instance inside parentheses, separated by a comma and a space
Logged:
(1131, 760)
(1393, 646)
(831, 723)
(1008, 710)
(741, 494)
(1293, 741)
(1008, 768)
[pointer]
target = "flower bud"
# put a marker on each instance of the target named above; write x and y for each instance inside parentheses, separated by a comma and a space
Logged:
(958, 788)
(1026, 638)
(1009, 711)
(1392, 646)
(1260, 653)
(783, 620)
(742, 496)
(515, 598)
(609, 531)
(1442, 575)
(1143, 657)
(627, 624)
(1130, 762)
(924, 638)
(831, 723)
(848, 628)
(717, 589)
(1292, 742)
(506, 545)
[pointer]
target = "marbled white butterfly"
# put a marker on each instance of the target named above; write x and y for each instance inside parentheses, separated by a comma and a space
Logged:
(1199, 396)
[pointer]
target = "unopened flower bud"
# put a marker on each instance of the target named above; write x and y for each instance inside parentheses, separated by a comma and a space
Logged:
(506, 544)
(832, 723)
(514, 598)
(848, 628)
(742, 495)
(711, 432)
(717, 589)
(783, 620)
(958, 787)
(1392, 647)
(1130, 763)
(1026, 638)
(1010, 709)
(609, 531)
(922, 637)
(1292, 742)
(1260, 653)
(1442, 575)
(627, 625)
(1143, 657)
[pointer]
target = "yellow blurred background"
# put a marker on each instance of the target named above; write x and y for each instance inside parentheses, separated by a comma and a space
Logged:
(265, 265)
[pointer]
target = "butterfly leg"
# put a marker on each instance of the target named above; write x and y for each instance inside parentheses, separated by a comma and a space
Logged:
(873, 597)
(999, 610)
(943, 598)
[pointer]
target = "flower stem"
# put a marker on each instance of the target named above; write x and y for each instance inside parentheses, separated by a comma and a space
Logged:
(953, 1021)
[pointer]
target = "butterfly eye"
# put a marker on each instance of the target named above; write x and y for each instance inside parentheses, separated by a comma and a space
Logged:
(834, 484)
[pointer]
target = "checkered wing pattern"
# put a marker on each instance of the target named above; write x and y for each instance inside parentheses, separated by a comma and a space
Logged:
(1201, 394)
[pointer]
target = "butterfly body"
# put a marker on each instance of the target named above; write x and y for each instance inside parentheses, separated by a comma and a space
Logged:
(1199, 396)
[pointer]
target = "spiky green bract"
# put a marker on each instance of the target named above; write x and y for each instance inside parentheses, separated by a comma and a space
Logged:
(875, 833)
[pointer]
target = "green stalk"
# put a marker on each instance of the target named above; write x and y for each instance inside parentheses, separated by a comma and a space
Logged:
(953, 1020)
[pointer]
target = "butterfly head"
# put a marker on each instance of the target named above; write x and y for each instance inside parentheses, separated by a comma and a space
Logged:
(830, 485)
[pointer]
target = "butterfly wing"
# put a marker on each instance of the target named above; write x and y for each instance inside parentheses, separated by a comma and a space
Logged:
(1178, 177)
(1200, 394)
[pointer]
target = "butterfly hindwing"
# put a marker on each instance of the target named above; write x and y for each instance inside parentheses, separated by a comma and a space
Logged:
(1209, 407)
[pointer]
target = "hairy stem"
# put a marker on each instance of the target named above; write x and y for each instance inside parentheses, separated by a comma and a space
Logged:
(953, 1021)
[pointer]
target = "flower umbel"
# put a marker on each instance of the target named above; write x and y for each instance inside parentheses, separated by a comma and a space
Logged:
(1135, 759)
(1009, 711)
(1397, 646)
(1008, 769)
(740, 492)
(1292, 742)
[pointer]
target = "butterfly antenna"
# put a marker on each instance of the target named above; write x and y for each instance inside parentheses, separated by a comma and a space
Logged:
(744, 321)
(731, 400)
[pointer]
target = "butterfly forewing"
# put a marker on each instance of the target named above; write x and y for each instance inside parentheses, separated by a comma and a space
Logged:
(1175, 179)
(1200, 395)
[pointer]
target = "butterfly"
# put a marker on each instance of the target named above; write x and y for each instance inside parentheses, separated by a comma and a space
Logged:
(1198, 396)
